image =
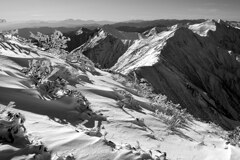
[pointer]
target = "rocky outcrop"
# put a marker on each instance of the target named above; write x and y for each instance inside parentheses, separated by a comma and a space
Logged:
(193, 66)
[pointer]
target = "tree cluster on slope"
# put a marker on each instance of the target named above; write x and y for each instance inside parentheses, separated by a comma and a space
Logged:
(55, 41)
(79, 61)
(168, 112)
(51, 82)
(39, 72)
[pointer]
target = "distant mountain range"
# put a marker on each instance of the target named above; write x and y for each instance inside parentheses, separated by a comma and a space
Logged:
(64, 23)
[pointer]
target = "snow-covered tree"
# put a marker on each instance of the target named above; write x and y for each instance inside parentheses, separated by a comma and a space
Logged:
(58, 40)
(55, 41)
(42, 39)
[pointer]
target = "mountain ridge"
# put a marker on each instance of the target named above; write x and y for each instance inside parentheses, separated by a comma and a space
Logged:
(193, 80)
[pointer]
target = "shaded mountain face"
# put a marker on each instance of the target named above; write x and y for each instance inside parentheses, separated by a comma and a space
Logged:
(196, 66)
(227, 37)
(106, 46)
(79, 37)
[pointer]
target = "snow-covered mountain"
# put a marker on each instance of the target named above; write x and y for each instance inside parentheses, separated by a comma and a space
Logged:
(194, 65)
(107, 45)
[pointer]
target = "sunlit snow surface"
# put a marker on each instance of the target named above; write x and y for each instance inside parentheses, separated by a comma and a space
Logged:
(144, 52)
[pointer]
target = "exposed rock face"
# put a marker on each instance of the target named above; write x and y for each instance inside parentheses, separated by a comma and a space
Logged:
(193, 66)
(107, 46)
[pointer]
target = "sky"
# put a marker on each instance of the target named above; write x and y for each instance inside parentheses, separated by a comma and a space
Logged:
(118, 10)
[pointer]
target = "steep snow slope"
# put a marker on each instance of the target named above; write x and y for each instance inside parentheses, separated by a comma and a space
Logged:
(56, 123)
(194, 70)
(144, 52)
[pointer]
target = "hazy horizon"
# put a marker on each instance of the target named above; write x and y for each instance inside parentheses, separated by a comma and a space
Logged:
(118, 10)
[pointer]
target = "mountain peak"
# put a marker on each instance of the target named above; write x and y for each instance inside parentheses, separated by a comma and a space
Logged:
(203, 28)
